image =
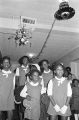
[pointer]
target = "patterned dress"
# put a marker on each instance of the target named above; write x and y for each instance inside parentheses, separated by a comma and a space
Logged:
(59, 93)
(6, 91)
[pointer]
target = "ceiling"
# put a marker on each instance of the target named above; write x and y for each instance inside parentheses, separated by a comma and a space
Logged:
(64, 36)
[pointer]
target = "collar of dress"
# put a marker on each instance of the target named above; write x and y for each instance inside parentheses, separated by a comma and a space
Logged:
(24, 66)
(6, 73)
(60, 80)
(47, 71)
(34, 84)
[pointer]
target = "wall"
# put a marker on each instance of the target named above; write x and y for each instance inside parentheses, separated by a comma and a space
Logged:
(72, 56)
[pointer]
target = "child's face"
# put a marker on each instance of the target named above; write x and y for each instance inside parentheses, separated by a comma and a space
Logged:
(45, 65)
(35, 76)
(59, 71)
(6, 64)
(25, 61)
(76, 83)
(70, 77)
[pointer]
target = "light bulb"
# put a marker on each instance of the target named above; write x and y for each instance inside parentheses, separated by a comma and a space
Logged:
(22, 40)
(31, 54)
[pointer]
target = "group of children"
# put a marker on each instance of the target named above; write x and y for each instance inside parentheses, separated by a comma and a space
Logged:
(39, 92)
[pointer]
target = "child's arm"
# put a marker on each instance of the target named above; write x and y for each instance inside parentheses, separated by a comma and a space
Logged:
(17, 75)
(50, 93)
(43, 90)
(14, 80)
(24, 93)
(69, 94)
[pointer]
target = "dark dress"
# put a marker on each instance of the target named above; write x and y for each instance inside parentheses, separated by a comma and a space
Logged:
(75, 99)
(60, 96)
(34, 92)
(47, 76)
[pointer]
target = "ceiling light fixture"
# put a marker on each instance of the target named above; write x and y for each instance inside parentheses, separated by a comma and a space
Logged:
(64, 12)
(23, 35)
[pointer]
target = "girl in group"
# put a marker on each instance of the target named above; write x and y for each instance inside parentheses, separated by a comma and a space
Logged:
(47, 75)
(59, 91)
(75, 99)
(32, 91)
(69, 74)
(21, 74)
(22, 70)
(7, 84)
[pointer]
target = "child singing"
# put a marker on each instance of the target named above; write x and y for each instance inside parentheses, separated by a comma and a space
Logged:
(32, 91)
(75, 99)
(7, 84)
(59, 91)
(47, 75)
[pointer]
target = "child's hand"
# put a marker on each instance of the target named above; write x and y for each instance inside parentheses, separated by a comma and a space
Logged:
(26, 104)
(57, 108)
(64, 109)
(28, 98)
